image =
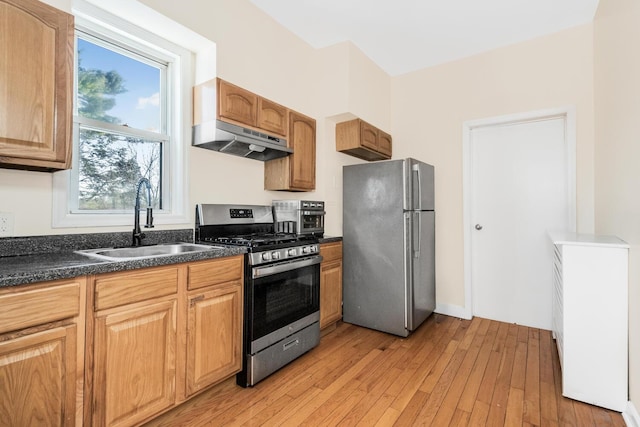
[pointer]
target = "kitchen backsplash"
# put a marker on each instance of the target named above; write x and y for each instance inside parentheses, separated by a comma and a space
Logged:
(27, 245)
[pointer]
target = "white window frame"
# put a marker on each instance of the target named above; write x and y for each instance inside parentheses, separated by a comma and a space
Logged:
(94, 20)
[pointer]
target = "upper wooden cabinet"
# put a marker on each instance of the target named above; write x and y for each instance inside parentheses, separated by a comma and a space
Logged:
(384, 143)
(296, 172)
(36, 85)
(272, 117)
(360, 139)
(238, 106)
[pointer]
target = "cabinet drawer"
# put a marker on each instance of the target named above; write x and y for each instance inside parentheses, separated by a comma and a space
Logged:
(331, 251)
(208, 273)
(123, 288)
(36, 306)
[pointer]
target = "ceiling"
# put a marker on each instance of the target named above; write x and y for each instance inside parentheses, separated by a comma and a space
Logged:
(407, 35)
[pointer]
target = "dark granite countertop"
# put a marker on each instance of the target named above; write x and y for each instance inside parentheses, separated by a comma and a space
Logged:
(34, 259)
(330, 239)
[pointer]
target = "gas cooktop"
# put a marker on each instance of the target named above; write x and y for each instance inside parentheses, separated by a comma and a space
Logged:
(250, 226)
(254, 240)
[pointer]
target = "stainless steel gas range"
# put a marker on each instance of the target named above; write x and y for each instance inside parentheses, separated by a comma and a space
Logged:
(282, 285)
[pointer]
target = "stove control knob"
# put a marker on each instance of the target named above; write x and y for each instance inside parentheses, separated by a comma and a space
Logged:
(305, 249)
(266, 256)
(275, 255)
(291, 252)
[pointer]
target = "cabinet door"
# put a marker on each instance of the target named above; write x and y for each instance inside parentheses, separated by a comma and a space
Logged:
(330, 292)
(384, 143)
(35, 85)
(135, 368)
(237, 104)
(368, 136)
(302, 138)
(37, 379)
(362, 140)
(214, 343)
(272, 117)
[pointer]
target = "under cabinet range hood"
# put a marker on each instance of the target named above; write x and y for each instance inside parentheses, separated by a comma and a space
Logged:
(239, 141)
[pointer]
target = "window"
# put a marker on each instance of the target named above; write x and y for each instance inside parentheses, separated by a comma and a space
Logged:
(120, 117)
(131, 120)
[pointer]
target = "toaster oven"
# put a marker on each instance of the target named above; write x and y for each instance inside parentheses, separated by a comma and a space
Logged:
(301, 217)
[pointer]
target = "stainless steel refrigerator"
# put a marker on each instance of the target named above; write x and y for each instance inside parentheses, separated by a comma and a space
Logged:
(389, 245)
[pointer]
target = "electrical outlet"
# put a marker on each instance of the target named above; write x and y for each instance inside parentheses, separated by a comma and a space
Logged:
(6, 224)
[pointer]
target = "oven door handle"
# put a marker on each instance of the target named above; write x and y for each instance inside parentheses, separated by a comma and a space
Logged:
(285, 266)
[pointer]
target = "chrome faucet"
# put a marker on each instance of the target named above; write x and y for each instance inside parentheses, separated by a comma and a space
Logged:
(138, 235)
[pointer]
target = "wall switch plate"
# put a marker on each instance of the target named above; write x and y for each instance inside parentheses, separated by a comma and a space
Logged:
(6, 224)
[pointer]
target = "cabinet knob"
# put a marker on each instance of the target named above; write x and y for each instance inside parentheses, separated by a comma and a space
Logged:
(478, 227)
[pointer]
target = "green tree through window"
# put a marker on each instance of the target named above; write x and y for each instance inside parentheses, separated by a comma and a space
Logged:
(112, 157)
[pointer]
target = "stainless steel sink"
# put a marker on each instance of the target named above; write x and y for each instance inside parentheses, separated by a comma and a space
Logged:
(141, 252)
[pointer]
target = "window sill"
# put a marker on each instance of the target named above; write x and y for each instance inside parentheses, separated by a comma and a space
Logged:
(113, 220)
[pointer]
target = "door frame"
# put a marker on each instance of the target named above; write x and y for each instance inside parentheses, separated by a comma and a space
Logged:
(569, 115)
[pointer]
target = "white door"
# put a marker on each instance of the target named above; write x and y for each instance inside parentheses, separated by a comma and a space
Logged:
(519, 191)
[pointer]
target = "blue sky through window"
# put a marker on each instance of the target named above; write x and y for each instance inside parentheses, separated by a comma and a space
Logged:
(139, 107)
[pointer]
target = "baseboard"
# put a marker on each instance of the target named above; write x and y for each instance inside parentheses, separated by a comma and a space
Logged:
(631, 416)
(454, 311)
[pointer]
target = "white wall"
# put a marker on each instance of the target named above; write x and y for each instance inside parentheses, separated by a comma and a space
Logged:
(258, 54)
(431, 105)
(617, 148)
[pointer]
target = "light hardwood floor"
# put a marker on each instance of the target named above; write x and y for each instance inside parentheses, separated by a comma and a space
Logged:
(450, 372)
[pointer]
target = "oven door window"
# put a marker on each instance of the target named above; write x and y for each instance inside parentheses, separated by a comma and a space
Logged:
(283, 298)
(313, 222)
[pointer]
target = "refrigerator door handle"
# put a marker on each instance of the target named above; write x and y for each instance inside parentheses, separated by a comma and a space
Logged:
(408, 277)
(417, 234)
(417, 192)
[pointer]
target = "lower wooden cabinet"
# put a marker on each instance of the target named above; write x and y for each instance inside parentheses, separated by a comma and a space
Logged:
(134, 345)
(214, 322)
(38, 378)
(161, 335)
(135, 363)
(42, 354)
(214, 335)
(137, 344)
(330, 283)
